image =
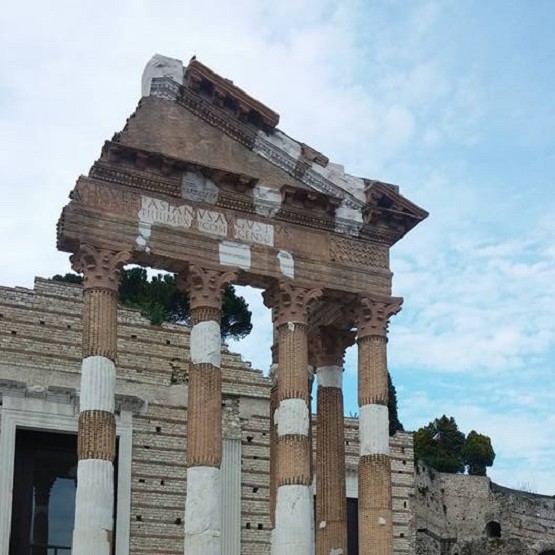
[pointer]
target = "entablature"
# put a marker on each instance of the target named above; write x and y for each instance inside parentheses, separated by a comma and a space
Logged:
(226, 95)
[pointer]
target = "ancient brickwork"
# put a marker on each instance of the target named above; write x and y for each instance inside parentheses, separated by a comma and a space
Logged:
(153, 365)
(401, 455)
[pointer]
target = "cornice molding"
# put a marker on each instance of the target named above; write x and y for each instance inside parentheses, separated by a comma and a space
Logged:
(397, 222)
(164, 87)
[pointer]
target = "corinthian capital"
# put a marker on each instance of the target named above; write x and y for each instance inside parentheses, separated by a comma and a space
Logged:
(101, 268)
(327, 344)
(290, 301)
(205, 286)
(374, 312)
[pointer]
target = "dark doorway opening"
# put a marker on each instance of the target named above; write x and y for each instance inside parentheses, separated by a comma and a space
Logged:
(493, 529)
(352, 525)
(43, 506)
(45, 482)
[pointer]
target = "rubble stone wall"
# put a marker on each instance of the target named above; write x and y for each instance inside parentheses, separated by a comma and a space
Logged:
(452, 513)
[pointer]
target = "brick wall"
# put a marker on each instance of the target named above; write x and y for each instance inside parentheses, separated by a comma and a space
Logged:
(40, 342)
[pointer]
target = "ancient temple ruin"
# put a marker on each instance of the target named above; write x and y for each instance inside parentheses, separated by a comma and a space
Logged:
(202, 183)
(185, 448)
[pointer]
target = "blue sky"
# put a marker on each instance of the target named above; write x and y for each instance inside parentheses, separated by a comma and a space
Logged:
(451, 100)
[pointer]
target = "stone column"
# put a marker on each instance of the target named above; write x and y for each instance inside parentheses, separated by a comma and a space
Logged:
(204, 421)
(294, 523)
(328, 346)
(274, 402)
(96, 440)
(374, 470)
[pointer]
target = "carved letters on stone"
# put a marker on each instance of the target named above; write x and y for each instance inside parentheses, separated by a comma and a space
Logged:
(108, 199)
(156, 211)
(151, 211)
(254, 232)
(213, 223)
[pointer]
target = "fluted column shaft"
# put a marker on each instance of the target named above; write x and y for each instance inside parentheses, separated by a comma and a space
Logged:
(293, 533)
(328, 348)
(96, 440)
(375, 515)
(204, 412)
(274, 403)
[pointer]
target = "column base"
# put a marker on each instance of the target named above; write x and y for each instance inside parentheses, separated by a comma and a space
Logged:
(203, 518)
(94, 503)
(294, 531)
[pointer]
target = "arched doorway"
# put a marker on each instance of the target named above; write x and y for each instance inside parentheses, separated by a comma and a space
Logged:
(493, 529)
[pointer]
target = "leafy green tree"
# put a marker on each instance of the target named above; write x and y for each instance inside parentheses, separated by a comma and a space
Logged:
(160, 300)
(68, 278)
(478, 453)
(394, 422)
(440, 445)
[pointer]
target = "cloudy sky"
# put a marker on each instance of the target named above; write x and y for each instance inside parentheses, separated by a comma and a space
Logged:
(451, 100)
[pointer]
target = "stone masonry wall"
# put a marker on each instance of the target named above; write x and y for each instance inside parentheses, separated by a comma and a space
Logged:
(40, 345)
(452, 512)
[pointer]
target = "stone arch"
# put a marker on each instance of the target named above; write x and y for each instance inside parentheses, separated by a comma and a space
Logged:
(493, 529)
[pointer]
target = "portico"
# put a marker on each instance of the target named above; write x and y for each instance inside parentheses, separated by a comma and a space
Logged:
(200, 182)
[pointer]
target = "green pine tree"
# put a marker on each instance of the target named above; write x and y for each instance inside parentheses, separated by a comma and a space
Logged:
(160, 300)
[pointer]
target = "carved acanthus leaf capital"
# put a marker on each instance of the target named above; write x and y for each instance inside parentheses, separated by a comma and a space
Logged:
(206, 286)
(290, 302)
(101, 268)
(327, 345)
(374, 312)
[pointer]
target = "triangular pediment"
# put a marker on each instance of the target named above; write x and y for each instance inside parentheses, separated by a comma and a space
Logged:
(235, 117)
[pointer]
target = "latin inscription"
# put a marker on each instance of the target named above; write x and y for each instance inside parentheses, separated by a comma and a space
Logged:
(156, 211)
(254, 232)
(117, 201)
(211, 222)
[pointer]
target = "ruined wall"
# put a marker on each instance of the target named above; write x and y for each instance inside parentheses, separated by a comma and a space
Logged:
(452, 513)
(40, 345)
(525, 515)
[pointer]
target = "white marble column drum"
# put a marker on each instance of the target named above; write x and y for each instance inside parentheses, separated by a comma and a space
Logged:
(293, 532)
(203, 514)
(96, 440)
